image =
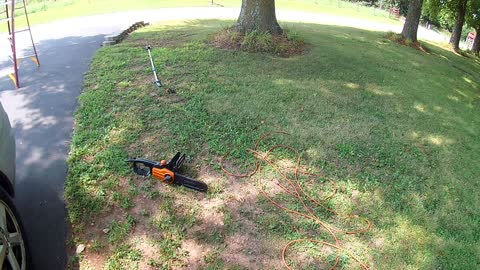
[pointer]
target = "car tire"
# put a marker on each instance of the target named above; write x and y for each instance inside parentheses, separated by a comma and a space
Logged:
(14, 251)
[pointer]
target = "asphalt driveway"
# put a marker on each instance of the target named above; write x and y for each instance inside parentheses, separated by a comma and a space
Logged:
(42, 115)
(42, 111)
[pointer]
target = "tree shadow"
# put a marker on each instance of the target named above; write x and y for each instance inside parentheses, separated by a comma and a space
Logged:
(361, 80)
(399, 123)
(41, 113)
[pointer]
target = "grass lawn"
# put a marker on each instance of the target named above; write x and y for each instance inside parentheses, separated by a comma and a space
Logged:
(43, 11)
(396, 129)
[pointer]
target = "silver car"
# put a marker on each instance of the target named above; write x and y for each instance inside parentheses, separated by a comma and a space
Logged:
(13, 245)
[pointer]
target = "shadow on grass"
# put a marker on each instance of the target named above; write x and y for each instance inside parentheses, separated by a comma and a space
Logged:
(390, 123)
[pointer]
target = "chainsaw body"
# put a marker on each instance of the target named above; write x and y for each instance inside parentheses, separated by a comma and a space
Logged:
(167, 172)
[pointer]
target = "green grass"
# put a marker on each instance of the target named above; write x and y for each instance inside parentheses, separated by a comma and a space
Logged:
(124, 257)
(43, 11)
(119, 230)
(395, 125)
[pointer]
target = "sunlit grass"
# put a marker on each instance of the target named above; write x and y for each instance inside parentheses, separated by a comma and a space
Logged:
(43, 11)
(397, 129)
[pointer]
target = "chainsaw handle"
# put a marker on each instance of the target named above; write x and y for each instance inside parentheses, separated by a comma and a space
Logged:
(146, 163)
(176, 162)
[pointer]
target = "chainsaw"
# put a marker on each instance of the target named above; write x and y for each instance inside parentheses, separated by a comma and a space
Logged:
(167, 172)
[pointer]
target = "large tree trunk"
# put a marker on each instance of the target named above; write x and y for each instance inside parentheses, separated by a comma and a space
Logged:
(258, 15)
(476, 42)
(410, 27)
(457, 30)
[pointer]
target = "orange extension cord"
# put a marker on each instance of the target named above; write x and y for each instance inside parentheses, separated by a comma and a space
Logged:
(296, 190)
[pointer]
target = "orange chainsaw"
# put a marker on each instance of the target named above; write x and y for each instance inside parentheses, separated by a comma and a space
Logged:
(167, 172)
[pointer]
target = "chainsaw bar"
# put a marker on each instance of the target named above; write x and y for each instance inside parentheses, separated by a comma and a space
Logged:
(190, 183)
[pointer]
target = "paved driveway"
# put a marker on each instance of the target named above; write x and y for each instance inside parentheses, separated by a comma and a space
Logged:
(42, 115)
(42, 110)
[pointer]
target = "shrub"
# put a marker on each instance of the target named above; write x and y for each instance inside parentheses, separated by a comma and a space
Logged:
(287, 44)
(409, 43)
(394, 37)
(256, 41)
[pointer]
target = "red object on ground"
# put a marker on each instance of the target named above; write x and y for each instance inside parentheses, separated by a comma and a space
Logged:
(471, 35)
(394, 11)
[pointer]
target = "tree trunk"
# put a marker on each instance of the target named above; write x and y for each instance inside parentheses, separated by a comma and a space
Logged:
(457, 30)
(410, 27)
(476, 42)
(258, 15)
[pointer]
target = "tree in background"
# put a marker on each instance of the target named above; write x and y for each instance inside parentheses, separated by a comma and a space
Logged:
(476, 42)
(258, 15)
(410, 27)
(473, 20)
(431, 12)
(435, 12)
(401, 4)
(449, 14)
(460, 8)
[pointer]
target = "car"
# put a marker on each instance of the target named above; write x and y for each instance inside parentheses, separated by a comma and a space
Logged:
(14, 252)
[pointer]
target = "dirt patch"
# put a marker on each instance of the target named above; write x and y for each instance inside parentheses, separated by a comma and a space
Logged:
(141, 240)
(222, 227)
(247, 246)
(196, 254)
(94, 237)
(95, 260)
